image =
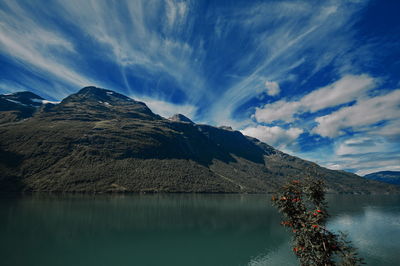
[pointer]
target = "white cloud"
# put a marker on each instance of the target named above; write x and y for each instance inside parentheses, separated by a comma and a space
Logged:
(168, 109)
(272, 87)
(362, 145)
(279, 110)
(373, 164)
(275, 136)
(176, 12)
(393, 165)
(391, 130)
(333, 166)
(345, 90)
(360, 116)
(361, 163)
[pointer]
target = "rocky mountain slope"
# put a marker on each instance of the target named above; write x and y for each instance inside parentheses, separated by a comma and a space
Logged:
(391, 177)
(17, 106)
(100, 141)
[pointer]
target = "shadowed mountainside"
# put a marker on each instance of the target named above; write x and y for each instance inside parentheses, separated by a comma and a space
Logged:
(17, 106)
(101, 141)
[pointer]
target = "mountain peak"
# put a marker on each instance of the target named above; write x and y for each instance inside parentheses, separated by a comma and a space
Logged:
(23, 98)
(226, 128)
(19, 105)
(180, 118)
(99, 94)
(24, 94)
(97, 103)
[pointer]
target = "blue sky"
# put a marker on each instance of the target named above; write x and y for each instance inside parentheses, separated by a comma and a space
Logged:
(317, 79)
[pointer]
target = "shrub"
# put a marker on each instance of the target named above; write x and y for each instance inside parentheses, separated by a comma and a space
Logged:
(304, 210)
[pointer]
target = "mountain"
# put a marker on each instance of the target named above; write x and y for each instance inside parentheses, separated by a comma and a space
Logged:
(180, 118)
(98, 140)
(391, 177)
(18, 106)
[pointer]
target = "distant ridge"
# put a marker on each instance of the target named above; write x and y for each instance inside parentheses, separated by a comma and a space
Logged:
(19, 105)
(390, 177)
(98, 140)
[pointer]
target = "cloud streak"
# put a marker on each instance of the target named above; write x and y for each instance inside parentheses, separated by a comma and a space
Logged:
(168, 109)
(30, 44)
(276, 136)
(345, 90)
(362, 115)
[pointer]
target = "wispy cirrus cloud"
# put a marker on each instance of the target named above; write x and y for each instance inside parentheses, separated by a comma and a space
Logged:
(146, 36)
(32, 44)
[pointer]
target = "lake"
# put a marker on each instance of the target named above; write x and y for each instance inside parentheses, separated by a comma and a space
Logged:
(179, 229)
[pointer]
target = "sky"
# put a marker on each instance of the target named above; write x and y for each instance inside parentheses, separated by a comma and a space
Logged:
(316, 79)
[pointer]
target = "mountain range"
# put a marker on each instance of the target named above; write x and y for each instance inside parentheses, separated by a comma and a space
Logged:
(98, 140)
(391, 177)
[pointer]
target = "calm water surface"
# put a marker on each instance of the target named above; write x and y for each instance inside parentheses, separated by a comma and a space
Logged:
(179, 230)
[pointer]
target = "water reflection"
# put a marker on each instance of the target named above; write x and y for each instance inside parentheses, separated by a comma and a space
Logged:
(374, 228)
(178, 229)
